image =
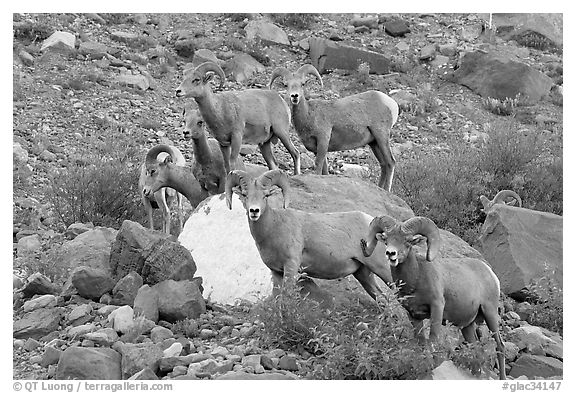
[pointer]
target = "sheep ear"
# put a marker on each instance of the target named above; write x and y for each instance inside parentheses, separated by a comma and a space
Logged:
(416, 239)
(273, 191)
(168, 160)
(237, 190)
(207, 77)
(381, 237)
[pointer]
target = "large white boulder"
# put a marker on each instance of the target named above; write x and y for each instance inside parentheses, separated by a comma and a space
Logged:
(225, 253)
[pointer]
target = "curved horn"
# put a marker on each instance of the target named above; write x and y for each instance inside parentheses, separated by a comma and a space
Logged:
(154, 151)
(310, 69)
(279, 72)
(502, 195)
(207, 66)
(485, 203)
(425, 227)
(377, 225)
(278, 178)
(233, 179)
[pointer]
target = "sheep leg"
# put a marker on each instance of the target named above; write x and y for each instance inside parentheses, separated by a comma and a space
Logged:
(290, 273)
(381, 149)
(491, 318)
(276, 283)
(436, 312)
(285, 139)
(235, 144)
(226, 157)
(162, 199)
(180, 212)
(418, 325)
(469, 333)
(148, 207)
(366, 279)
(321, 157)
(266, 150)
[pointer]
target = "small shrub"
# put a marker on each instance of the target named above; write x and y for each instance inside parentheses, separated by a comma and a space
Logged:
(33, 32)
(290, 320)
(101, 188)
(478, 357)
(186, 327)
(298, 21)
(377, 347)
(548, 309)
(446, 186)
(504, 107)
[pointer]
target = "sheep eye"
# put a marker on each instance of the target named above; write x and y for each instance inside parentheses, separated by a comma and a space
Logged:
(200, 123)
(152, 171)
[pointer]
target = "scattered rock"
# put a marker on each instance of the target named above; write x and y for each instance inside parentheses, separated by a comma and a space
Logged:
(496, 76)
(103, 337)
(146, 303)
(50, 356)
(522, 245)
(122, 319)
(201, 56)
(138, 81)
(91, 283)
(38, 284)
(37, 323)
(179, 300)
(77, 228)
(90, 248)
(80, 315)
(533, 366)
(89, 363)
(159, 334)
(94, 50)
(329, 55)
(125, 290)
(242, 68)
(135, 357)
(146, 374)
(288, 362)
(29, 245)
(449, 371)
(397, 28)
(266, 31)
(43, 301)
(59, 41)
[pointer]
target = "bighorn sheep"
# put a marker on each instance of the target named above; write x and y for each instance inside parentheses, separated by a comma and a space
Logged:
(249, 116)
(346, 123)
(460, 290)
(500, 198)
(161, 198)
(323, 245)
(168, 174)
(208, 166)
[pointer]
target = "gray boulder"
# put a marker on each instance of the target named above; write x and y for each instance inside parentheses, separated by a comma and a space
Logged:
(522, 245)
(94, 50)
(533, 366)
(328, 55)
(43, 301)
(266, 31)
(146, 303)
(150, 254)
(125, 290)
(497, 76)
(242, 67)
(38, 284)
(91, 283)
(179, 300)
(90, 248)
(89, 363)
(511, 26)
(136, 357)
(38, 323)
(60, 41)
